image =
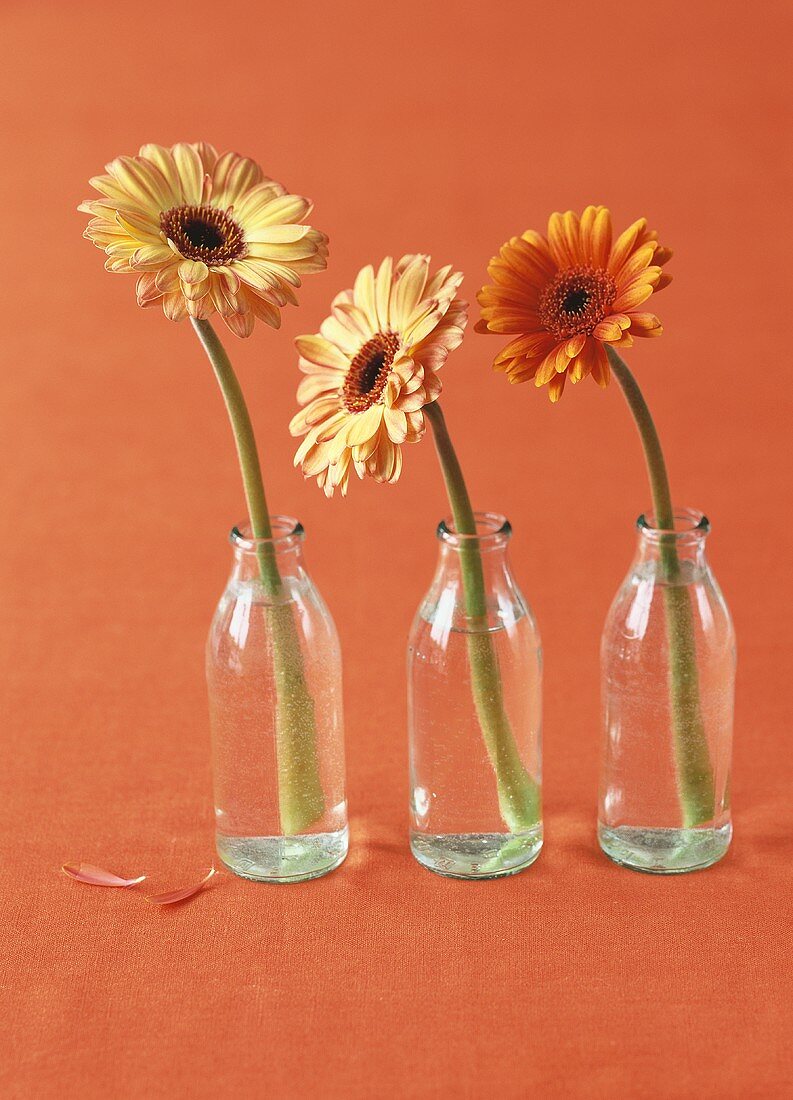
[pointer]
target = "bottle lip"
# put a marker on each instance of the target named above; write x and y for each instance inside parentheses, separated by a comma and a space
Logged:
(492, 530)
(287, 532)
(689, 525)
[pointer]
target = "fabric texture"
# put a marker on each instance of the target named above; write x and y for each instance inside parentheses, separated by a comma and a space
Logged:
(444, 128)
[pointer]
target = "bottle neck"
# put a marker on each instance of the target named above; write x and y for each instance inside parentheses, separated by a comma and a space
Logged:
(470, 561)
(268, 559)
(679, 552)
(453, 560)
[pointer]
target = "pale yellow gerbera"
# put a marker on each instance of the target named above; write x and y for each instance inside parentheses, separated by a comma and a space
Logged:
(372, 368)
(204, 233)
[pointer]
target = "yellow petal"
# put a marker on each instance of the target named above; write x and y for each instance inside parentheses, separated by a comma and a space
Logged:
(383, 287)
(264, 209)
(364, 296)
(408, 290)
(191, 172)
(193, 271)
(276, 234)
(396, 424)
(322, 352)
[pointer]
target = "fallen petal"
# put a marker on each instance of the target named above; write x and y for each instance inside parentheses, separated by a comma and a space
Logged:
(171, 896)
(86, 872)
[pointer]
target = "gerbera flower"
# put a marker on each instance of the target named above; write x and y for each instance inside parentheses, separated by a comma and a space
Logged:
(372, 368)
(204, 233)
(567, 296)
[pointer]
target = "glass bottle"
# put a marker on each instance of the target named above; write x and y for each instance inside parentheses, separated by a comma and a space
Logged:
(474, 709)
(668, 675)
(275, 698)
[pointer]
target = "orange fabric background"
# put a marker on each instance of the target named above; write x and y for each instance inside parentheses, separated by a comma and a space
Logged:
(443, 127)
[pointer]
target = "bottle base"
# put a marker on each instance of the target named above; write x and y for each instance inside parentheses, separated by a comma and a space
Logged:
(664, 851)
(283, 858)
(476, 855)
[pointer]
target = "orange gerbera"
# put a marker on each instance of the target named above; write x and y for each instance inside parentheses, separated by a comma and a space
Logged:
(372, 368)
(569, 295)
(204, 234)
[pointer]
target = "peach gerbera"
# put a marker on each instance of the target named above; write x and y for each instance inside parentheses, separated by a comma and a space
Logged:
(569, 295)
(204, 234)
(372, 368)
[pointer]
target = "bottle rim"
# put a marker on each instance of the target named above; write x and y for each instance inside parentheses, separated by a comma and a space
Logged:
(492, 530)
(689, 524)
(287, 532)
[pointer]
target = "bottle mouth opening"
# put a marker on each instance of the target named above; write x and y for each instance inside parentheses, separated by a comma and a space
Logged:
(689, 524)
(286, 532)
(492, 530)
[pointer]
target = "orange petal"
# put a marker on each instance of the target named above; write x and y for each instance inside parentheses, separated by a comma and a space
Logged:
(563, 238)
(607, 330)
(624, 245)
(600, 365)
(582, 365)
(645, 324)
(186, 892)
(574, 345)
(547, 369)
(637, 262)
(629, 299)
(95, 876)
(533, 343)
(596, 235)
(556, 387)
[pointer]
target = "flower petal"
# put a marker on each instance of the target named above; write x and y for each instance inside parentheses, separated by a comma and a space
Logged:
(596, 235)
(191, 172)
(408, 289)
(645, 324)
(276, 234)
(96, 876)
(172, 896)
(556, 387)
(383, 287)
(563, 238)
(624, 245)
(629, 299)
(321, 351)
(262, 209)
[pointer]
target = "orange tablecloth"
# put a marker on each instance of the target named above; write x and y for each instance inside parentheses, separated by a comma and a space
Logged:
(446, 128)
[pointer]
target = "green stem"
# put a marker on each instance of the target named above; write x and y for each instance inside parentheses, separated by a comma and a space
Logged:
(518, 793)
(300, 797)
(692, 758)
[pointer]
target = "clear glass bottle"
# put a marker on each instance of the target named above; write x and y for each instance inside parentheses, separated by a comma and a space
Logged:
(273, 667)
(668, 674)
(474, 708)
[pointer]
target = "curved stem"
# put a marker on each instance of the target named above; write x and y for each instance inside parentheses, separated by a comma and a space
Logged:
(692, 757)
(247, 451)
(300, 796)
(518, 793)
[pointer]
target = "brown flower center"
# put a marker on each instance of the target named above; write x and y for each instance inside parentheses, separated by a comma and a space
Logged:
(576, 300)
(204, 233)
(367, 374)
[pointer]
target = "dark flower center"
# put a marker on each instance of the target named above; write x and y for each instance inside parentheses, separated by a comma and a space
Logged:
(204, 233)
(368, 372)
(576, 300)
